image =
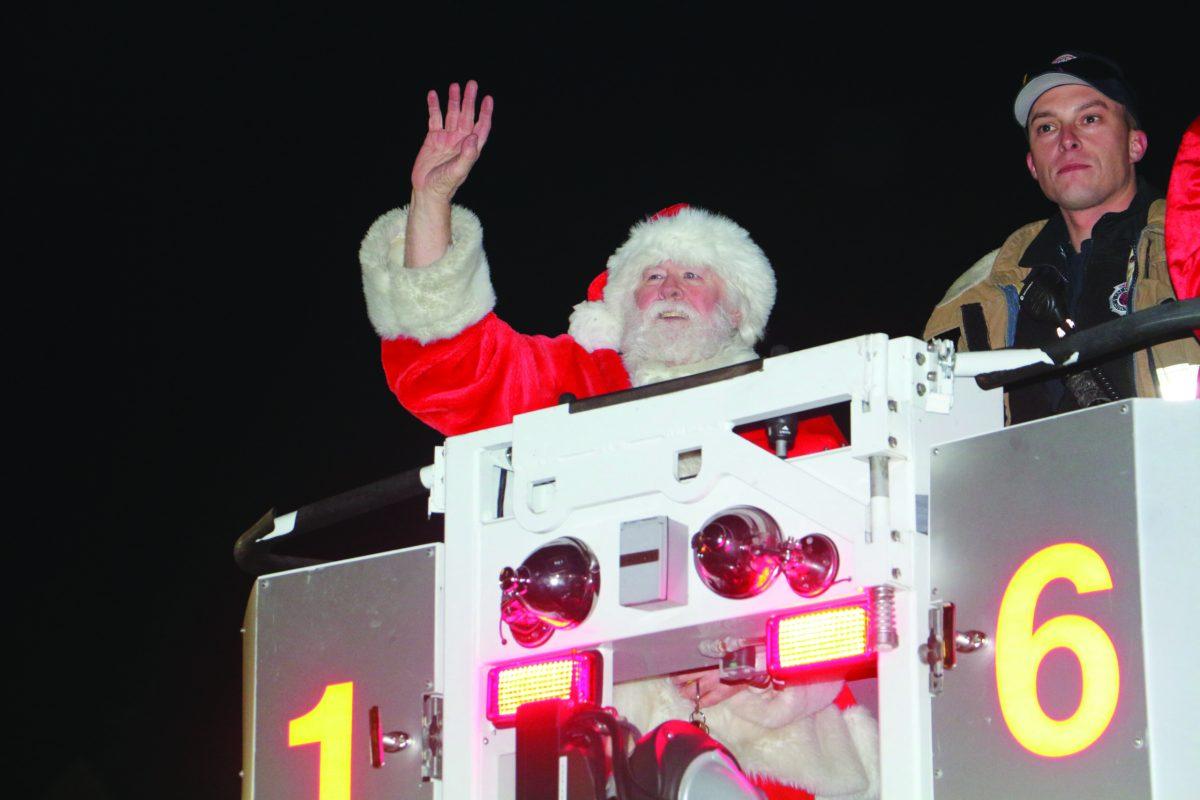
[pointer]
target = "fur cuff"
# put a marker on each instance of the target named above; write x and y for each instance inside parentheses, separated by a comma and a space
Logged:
(595, 327)
(864, 732)
(428, 303)
(774, 708)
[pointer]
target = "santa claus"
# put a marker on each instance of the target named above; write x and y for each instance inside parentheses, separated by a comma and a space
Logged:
(687, 292)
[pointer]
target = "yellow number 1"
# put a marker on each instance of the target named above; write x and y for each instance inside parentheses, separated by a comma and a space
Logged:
(1020, 651)
(330, 725)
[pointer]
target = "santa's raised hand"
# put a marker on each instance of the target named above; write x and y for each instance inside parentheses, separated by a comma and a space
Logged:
(452, 146)
(453, 143)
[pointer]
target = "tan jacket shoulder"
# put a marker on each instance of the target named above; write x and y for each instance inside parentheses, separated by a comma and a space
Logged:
(984, 295)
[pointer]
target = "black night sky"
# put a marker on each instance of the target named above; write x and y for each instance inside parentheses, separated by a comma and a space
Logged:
(194, 348)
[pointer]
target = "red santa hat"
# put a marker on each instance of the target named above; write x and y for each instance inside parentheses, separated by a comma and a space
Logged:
(690, 236)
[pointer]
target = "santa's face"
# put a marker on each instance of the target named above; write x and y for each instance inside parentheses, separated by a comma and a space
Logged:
(697, 287)
(678, 316)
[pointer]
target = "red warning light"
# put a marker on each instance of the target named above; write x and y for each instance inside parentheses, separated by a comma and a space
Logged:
(821, 637)
(574, 678)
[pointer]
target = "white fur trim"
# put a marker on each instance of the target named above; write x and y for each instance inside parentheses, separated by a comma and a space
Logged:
(832, 753)
(772, 708)
(693, 237)
(972, 277)
(426, 303)
(864, 732)
(644, 372)
(595, 327)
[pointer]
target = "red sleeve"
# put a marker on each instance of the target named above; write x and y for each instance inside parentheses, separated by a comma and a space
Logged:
(488, 373)
(1183, 216)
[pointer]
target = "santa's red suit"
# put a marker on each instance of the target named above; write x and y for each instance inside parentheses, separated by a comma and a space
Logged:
(1183, 220)
(456, 366)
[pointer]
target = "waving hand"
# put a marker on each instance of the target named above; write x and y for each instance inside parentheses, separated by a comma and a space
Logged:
(453, 143)
(452, 146)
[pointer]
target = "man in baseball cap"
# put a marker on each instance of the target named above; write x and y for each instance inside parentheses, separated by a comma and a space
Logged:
(1100, 257)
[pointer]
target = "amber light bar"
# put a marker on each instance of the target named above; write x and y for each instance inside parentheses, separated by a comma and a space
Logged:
(823, 637)
(574, 678)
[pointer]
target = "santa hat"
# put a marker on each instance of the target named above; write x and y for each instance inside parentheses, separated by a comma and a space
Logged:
(690, 236)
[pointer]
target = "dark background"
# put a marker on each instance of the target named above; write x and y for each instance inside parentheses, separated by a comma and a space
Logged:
(187, 333)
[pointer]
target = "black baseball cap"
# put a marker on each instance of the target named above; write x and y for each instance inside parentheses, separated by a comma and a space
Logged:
(1078, 68)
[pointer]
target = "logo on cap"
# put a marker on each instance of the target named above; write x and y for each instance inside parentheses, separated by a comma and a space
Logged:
(1064, 58)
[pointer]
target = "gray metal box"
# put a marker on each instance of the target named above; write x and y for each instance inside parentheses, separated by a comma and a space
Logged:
(654, 561)
(372, 622)
(1122, 481)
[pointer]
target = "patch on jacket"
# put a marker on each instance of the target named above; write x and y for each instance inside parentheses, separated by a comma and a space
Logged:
(1118, 299)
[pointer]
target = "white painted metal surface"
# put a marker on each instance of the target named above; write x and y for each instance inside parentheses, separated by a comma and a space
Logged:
(583, 474)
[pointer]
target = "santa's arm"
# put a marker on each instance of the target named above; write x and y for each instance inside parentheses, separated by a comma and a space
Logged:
(1183, 216)
(448, 359)
(436, 301)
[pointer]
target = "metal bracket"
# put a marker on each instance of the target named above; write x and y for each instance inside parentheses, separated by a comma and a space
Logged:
(746, 664)
(431, 736)
(934, 374)
(435, 481)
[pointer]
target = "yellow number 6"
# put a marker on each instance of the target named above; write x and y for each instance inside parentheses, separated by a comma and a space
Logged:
(1020, 650)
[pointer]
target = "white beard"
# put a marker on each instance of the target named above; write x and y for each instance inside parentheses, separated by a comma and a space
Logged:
(655, 349)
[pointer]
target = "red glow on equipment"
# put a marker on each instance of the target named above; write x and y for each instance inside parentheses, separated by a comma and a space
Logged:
(823, 637)
(574, 678)
(737, 552)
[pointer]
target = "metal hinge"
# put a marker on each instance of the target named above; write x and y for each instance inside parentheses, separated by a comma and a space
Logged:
(431, 736)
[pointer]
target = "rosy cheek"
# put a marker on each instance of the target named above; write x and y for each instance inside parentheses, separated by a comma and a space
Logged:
(643, 296)
(703, 299)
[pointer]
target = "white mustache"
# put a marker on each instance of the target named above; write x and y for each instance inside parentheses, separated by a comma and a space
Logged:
(660, 308)
(648, 337)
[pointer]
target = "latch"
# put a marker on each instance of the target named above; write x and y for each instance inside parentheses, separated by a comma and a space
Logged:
(945, 642)
(384, 742)
(431, 736)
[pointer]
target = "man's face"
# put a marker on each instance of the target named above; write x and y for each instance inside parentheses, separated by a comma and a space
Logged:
(1081, 151)
(697, 287)
(678, 315)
